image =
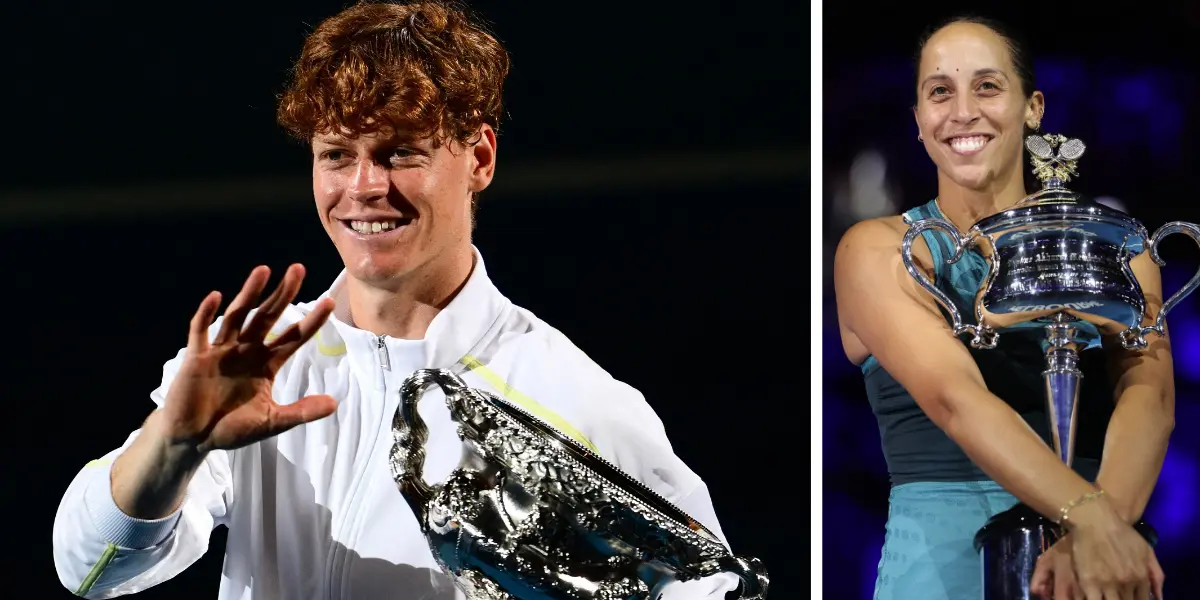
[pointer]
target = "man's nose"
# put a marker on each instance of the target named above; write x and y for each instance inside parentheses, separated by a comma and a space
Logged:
(369, 182)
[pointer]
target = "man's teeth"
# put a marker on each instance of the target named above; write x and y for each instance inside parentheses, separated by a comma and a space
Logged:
(968, 144)
(372, 226)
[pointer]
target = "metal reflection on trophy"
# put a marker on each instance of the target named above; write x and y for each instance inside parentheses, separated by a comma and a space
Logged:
(531, 514)
(1059, 262)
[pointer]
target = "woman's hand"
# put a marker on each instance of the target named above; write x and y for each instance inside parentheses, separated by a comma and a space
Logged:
(1101, 558)
(1054, 576)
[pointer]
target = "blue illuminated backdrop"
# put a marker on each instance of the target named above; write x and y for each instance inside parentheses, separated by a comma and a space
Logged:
(1136, 116)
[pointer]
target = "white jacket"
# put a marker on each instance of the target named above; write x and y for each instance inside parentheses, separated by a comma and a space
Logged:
(314, 514)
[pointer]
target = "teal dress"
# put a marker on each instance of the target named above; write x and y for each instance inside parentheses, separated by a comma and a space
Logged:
(939, 499)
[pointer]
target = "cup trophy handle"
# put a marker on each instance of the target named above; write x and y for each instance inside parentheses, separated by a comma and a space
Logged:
(754, 580)
(983, 337)
(409, 434)
(1134, 338)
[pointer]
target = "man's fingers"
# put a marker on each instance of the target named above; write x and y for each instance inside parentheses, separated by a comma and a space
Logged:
(241, 306)
(304, 410)
(198, 330)
(268, 313)
(297, 335)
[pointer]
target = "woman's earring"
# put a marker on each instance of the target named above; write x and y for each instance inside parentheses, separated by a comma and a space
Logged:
(920, 139)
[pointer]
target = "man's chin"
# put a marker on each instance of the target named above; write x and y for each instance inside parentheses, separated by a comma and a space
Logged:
(380, 274)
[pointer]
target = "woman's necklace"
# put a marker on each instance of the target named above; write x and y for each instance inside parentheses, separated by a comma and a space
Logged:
(938, 205)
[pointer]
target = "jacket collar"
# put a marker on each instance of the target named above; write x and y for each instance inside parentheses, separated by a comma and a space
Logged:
(454, 332)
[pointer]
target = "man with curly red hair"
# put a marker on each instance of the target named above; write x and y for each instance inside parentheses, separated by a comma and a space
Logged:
(274, 420)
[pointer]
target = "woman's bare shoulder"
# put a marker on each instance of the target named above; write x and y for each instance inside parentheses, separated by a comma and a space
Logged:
(874, 234)
(873, 245)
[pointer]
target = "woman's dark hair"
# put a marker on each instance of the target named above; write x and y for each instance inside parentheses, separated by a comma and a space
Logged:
(1017, 49)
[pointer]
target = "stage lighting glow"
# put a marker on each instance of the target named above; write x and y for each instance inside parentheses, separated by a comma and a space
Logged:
(1053, 74)
(836, 363)
(1148, 113)
(1183, 322)
(869, 196)
(1185, 341)
(853, 540)
(1175, 497)
(1137, 93)
(870, 569)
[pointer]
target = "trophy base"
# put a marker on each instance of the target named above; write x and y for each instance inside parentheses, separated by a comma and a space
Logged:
(1010, 544)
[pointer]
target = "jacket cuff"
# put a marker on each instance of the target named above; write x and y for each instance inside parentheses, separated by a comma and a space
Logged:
(115, 526)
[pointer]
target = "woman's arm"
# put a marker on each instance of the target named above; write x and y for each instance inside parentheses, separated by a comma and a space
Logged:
(1136, 442)
(900, 325)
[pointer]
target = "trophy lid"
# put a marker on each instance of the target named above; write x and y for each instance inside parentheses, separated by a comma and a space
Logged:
(1054, 159)
(1055, 162)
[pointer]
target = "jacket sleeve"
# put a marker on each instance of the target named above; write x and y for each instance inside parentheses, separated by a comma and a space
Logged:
(632, 436)
(698, 504)
(99, 552)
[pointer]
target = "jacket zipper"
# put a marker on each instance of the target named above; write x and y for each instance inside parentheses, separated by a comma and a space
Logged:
(381, 349)
(335, 583)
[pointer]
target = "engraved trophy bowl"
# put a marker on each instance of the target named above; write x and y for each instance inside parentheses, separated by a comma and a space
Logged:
(531, 514)
(1060, 263)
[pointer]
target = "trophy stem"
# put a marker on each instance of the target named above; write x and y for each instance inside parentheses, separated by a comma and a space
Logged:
(1063, 378)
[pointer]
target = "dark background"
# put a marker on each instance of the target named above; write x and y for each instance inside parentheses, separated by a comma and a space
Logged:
(648, 179)
(1123, 79)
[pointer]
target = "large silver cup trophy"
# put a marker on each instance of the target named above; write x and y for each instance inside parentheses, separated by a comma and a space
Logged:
(1056, 261)
(531, 514)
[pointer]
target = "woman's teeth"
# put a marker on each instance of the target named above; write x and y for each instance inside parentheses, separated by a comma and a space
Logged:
(970, 144)
(369, 227)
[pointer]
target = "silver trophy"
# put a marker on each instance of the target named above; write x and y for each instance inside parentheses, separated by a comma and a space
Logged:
(530, 514)
(1056, 261)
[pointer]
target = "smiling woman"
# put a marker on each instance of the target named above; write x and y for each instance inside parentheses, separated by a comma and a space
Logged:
(975, 101)
(964, 433)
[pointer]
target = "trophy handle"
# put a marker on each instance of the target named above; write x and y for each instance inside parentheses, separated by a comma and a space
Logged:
(984, 337)
(753, 575)
(409, 434)
(1134, 338)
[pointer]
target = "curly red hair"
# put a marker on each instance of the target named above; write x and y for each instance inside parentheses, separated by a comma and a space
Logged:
(427, 69)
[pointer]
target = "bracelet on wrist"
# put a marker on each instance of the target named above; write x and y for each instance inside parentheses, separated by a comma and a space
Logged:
(1064, 512)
